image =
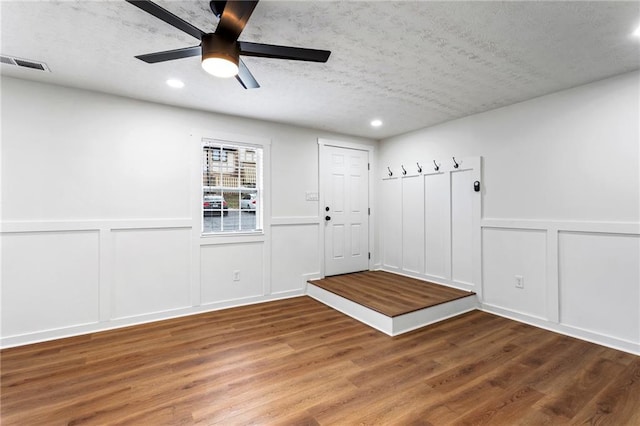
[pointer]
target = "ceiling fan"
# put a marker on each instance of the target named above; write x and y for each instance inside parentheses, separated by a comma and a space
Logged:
(221, 50)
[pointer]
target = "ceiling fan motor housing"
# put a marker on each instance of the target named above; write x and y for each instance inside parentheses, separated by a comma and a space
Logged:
(215, 46)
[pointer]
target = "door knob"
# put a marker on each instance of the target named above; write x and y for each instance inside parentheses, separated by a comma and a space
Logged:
(327, 218)
(326, 209)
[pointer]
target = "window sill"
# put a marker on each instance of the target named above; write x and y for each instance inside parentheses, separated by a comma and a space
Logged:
(232, 238)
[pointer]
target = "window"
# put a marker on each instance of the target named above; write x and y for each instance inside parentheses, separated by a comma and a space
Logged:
(218, 155)
(231, 187)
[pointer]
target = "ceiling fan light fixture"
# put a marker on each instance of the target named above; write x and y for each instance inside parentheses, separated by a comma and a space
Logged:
(220, 57)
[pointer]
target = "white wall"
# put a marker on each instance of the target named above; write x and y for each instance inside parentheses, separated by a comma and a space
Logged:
(100, 213)
(561, 206)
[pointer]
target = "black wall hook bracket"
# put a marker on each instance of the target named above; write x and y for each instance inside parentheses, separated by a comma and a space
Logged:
(404, 172)
(419, 167)
(455, 163)
(390, 172)
(437, 167)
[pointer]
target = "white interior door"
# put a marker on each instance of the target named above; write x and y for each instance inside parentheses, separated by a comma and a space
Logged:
(346, 210)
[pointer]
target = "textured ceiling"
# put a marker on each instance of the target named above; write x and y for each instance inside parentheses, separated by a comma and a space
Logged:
(411, 64)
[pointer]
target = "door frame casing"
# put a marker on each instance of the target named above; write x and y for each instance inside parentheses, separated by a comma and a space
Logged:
(322, 167)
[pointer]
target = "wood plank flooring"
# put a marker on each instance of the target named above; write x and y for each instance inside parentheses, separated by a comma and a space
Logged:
(298, 362)
(387, 293)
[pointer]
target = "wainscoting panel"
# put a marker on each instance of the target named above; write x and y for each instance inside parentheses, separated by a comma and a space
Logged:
(430, 226)
(508, 253)
(50, 280)
(437, 225)
(413, 224)
(580, 278)
(231, 271)
(294, 255)
(462, 227)
(391, 223)
(600, 283)
(151, 270)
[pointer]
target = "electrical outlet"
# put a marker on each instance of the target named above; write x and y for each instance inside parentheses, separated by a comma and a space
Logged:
(236, 275)
(519, 281)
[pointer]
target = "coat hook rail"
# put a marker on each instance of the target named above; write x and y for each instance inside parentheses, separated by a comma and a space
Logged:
(390, 172)
(437, 167)
(419, 167)
(455, 163)
(404, 172)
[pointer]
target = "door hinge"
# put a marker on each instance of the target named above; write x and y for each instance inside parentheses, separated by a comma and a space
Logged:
(368, 166)
(369, 211)
(369, 255)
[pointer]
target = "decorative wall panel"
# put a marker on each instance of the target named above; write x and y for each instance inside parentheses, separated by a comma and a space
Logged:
(50, 280)
(151, 270)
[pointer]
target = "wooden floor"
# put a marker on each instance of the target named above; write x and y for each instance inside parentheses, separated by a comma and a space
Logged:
(298, 362)
(390, 294)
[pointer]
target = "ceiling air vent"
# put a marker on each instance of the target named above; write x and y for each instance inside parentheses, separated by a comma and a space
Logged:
(24, 63)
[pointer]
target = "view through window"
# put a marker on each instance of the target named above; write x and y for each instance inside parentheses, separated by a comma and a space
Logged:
(231, 187)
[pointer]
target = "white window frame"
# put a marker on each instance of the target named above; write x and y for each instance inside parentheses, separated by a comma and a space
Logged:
(197, 137)
(233, 147)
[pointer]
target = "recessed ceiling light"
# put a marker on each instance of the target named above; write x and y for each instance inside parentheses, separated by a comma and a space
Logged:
(376, 123)
(636, 33)
(176, 84)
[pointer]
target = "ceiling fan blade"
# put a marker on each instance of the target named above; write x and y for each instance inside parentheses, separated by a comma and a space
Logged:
(234, 18)
(217, 7)
(283, 52)
(245, 77)
(170, 55)
(168, 17)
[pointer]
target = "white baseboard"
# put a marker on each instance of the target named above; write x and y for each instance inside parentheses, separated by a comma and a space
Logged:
(589, 336)
(77, 330)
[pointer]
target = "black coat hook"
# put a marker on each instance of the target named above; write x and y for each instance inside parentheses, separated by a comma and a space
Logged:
(419, 167)
(455, 164)
(436, 168)
(404, 172)
(390, 172)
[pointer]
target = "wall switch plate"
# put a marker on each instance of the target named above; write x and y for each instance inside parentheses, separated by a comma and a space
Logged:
(236, 275)
(519, 281)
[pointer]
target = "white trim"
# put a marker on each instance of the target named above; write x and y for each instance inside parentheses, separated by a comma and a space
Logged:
(105, 277)
(632, 228)
(433, 314)
(92, 225)
(589, 336)
(262, 171)
(82, 329)
(393, 326)
(345, 144)
(367, 316)
(322, 143)
(230, 137)
(232, 238)
(552, 267)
